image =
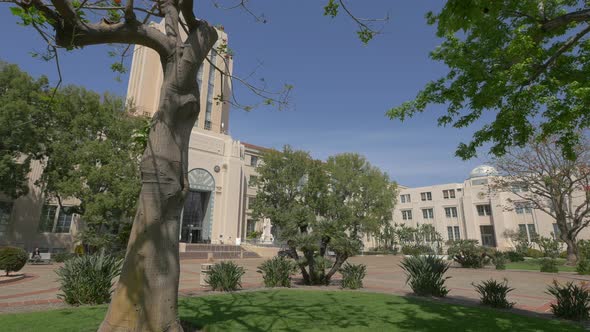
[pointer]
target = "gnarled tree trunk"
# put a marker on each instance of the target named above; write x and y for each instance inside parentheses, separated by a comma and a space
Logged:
(147, 292)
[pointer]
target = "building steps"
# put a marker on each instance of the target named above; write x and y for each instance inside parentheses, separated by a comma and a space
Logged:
(217, 251)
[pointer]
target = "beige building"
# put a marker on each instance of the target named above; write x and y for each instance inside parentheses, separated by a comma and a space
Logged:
(472, 210)
(216, 209)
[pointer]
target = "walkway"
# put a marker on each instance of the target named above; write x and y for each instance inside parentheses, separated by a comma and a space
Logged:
(39, 290)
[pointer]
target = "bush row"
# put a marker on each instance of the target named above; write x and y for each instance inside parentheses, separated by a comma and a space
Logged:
(426, 277)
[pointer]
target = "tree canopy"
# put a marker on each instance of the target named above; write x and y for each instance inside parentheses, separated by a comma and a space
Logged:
(24, 115)
(524, 61)
(320, 207)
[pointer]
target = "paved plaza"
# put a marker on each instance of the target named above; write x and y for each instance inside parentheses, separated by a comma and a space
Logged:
(38, 291)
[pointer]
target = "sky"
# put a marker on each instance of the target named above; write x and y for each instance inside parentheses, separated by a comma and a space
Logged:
(342, 88)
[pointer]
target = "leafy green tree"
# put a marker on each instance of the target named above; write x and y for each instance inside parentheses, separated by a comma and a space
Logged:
(523, 60)
(23, 126)
(321, 207)
(91, 156)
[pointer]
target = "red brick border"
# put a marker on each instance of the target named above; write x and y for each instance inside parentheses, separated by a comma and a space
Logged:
(28, 293)
(26, 278)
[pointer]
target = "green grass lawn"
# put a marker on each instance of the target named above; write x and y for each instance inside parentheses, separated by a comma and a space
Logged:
(533, 264)
(300, 310)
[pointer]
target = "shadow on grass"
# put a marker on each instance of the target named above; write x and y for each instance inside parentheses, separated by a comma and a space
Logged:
(291, 310)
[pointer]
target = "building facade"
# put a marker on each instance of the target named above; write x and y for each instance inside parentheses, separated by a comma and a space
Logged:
(473, 210)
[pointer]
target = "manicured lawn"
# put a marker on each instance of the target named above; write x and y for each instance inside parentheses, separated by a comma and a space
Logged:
(533, 264)
(300, 310)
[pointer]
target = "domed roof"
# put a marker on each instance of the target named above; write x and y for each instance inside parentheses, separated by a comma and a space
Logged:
(482, 170)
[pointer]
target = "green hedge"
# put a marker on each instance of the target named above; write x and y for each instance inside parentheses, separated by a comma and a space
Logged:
(12, 259)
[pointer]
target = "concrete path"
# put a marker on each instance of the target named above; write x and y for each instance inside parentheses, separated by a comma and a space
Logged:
(39, 289)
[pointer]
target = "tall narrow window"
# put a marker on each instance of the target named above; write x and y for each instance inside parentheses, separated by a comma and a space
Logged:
(457, 233)
(47, 218)
(210, 90)
(64, 221)
(450, 233)
(253, 161)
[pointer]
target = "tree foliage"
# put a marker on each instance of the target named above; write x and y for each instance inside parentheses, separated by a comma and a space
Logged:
(24, 118)
(320, 207)
(93, 156)
(523, 60)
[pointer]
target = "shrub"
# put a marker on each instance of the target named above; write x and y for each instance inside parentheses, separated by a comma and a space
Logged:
(468, 253)
(549, 265)
(499, 260)
(493, 293)
(353, 275)
(225, 276)
(12, 259)
(88, 279)
(572, 301)
(549, 246)
(514, 256)
(583, 266)
(61, 257)
(563, 254)
(583, 249)
(426, 275)
(277, 271)
(417, 249)
(533, 253)
(253, 235)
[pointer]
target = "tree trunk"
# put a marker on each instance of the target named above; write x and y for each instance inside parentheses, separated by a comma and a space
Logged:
(146, 296)
(339, 261)
(572, 251)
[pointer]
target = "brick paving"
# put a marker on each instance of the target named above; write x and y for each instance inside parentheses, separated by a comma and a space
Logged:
(38, 291)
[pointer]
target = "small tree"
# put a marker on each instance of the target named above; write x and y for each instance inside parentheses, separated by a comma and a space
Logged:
(319, 207)
(551, 183)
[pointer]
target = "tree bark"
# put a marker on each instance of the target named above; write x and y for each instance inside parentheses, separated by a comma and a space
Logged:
(146, 296)
(572, 251)
(339, 261)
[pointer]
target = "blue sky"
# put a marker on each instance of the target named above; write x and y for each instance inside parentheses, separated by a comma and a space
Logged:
(342, 88)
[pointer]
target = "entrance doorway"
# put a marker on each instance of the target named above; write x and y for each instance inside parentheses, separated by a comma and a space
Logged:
(488, 238)
(193, 216)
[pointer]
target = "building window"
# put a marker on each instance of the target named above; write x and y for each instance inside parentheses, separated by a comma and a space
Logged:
(484, 210)
(407, 214)
(47, 218)
(251, 202)
(428, 213)
(556, 231)
(405, 198)
(522, 208)
(479, 182)
(5, 212)
(426, 196)
(449, 193)
(528, 230)
(64, 221)
(454, 233)
(210, 91)
(451, 212)
(55, 220)
(250, 226)
(252, 181)
(253, 161)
